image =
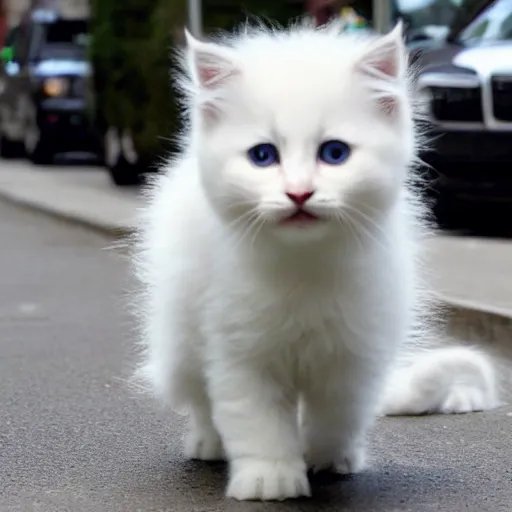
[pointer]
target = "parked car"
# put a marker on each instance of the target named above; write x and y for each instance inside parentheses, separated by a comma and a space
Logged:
(430, 30)
(467, 85)
(43, 96)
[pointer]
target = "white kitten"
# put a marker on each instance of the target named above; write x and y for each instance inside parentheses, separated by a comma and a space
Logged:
(278, 260)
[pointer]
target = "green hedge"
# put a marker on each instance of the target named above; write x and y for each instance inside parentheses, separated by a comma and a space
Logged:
(130, 53)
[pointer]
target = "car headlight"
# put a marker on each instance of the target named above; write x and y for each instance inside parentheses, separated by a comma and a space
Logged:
(55, 87)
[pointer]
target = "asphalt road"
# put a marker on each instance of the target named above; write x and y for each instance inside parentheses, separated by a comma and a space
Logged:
(73, 437)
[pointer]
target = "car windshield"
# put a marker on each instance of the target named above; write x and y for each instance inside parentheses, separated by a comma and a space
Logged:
(66, 39)
(438, 18)
(493, 24)
(66, 31)
(423, 13)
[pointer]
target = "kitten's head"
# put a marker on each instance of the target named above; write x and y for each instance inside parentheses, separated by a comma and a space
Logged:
(301, 133)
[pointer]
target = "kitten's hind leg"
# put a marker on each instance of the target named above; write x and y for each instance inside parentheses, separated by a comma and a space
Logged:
(175, 376)
(337, 412)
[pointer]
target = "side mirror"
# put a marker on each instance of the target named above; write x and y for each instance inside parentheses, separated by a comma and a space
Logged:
(7, 54)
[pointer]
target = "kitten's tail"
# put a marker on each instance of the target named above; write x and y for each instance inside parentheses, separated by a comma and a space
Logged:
(443, 380)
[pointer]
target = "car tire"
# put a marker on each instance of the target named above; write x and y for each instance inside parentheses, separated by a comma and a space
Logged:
(42, 155)
(122, 172)
(9, 148)
(37, 149)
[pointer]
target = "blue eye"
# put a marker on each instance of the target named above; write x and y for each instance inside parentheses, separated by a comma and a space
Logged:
(333, 152)
(264, 155)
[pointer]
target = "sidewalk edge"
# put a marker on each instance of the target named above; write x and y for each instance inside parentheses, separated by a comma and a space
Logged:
(68, 217)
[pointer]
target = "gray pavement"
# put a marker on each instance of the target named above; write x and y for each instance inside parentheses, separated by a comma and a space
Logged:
(73, 437)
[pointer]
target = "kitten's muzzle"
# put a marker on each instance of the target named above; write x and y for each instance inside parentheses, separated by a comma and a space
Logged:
(300, 198)
(301, 216)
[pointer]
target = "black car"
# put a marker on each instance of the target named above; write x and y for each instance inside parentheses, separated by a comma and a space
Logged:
(466, 83)
(43, 92)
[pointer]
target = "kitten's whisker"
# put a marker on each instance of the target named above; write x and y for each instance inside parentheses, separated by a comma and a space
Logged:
(359, 226)
(237, 204)
(250, 226)
(369, 235)
(367, 218)
(245, 222)
(347, 222)
(260, 221)
(246, 216)
(239, 223)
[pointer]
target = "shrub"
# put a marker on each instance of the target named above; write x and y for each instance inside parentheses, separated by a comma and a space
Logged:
(131, 47)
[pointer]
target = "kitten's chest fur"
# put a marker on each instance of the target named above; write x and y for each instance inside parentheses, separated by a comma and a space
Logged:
(294, 335)
(275, 313)
(300, 314)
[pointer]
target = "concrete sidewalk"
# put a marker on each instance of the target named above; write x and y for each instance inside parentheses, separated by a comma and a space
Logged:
(470, 272)
(77, 193)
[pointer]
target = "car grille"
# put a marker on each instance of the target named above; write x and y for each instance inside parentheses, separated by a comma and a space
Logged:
(457, 104)
(501, 87)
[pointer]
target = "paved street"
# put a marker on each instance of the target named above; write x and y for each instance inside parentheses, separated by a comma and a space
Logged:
(74, 438)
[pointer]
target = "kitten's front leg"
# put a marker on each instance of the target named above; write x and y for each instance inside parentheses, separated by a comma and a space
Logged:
(203, 441)
(338, 410)
(257, 421)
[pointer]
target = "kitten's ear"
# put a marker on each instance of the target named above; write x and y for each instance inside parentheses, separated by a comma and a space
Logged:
(211, 65)
(384, 63)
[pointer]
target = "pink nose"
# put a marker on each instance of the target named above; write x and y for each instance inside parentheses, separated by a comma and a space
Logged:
(300, 198)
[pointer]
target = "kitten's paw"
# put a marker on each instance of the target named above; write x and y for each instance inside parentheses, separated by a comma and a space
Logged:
(463, 399)
(351, 462)
(204, 445)
(265, 480)
(348, 462)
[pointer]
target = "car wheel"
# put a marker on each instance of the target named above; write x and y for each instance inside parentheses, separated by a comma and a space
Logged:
(123, 172)
(9, 148)
(38, 150)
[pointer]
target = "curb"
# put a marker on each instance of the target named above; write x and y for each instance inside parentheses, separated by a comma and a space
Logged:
(477, 326)
(68, 217)
(476, 322)
(475, 306)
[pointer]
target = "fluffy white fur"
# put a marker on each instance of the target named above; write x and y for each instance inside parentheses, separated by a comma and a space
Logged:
(248, 318)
